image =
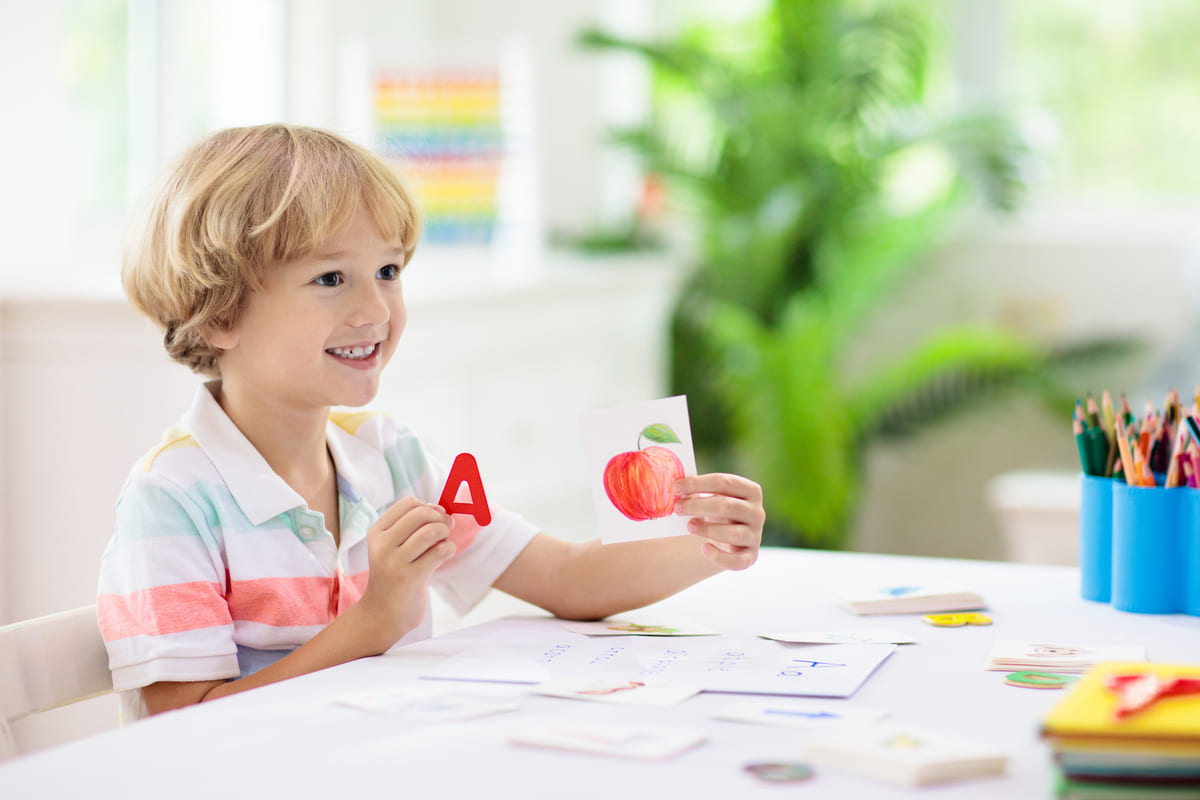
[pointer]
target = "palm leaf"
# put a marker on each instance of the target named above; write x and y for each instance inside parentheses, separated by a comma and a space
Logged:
(788, 419)
(860, 269)
(950, 370)
(987, 148)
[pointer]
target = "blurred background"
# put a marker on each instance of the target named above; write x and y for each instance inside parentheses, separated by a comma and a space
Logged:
(881, 246)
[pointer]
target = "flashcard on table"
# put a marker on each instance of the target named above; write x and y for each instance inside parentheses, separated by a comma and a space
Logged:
(744, 665)
(1058, 657)
(848, 636)
(424, 706)
(910, 598)
(798, 714)
(617, 690)
(634, 453)
(905, 755)
(650, 743)
(628, 627)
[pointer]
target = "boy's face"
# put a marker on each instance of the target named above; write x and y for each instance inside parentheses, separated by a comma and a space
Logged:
(322, 328)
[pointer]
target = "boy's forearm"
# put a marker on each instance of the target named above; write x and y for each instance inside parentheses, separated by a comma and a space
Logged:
(353, 635)
(598, 580)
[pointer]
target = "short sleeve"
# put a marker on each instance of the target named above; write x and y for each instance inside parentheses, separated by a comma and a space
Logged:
(483, 552)
(161, 598)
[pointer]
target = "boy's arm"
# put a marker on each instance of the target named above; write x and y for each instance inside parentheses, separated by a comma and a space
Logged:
(355, 634)
(588, 580)
(404, 547)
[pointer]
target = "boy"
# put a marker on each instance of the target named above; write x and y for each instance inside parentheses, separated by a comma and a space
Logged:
(271, 259)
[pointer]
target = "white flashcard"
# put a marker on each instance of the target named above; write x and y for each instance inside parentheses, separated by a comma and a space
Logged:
(644, 627)
(911, 598)
(612, 740)
(848, 636)
(626, 691)
(633, 455)
(739, 664)
(1008, 654)
(905, 755)
(423, 706)
(798, 714)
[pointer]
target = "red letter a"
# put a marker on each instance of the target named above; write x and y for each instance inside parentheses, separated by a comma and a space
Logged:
(465, 469)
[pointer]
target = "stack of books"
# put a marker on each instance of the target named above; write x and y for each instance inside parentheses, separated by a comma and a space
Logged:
(1128, 730)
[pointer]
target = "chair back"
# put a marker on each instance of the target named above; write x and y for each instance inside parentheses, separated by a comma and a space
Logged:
(47, 662)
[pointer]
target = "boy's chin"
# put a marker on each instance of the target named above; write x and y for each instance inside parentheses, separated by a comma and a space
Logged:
(357, 399)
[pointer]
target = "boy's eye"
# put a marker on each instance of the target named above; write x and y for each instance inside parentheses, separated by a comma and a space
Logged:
(389, 273)
(329, 279)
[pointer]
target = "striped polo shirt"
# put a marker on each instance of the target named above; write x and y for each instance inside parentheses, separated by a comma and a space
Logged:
(217, 567)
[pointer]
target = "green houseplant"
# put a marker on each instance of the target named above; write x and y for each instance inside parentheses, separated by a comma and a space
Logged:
(816, 174)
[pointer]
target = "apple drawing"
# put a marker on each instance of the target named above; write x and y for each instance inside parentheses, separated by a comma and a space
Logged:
(638, 482)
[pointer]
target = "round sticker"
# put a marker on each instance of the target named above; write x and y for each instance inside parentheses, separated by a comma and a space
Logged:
(1037, 680)
(780, 772)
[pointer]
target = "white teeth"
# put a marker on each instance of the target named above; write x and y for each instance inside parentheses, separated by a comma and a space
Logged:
(352, 352)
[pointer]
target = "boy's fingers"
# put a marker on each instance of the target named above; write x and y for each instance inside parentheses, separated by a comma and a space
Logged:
(720, 483)
(414, 519)
(436, 555)
(739, 559)
(728, 532)
(397, 510)
(712, 506)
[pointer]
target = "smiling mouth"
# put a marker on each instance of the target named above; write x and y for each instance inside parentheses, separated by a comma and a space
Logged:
(360, 353)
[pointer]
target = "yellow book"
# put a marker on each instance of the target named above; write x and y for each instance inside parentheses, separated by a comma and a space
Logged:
(1089, 711)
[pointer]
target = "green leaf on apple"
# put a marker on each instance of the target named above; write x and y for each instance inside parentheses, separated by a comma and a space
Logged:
(660, 433)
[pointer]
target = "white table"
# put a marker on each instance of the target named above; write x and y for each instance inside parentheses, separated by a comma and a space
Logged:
(290, 741)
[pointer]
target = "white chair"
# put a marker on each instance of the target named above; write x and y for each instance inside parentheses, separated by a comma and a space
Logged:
(47, 662)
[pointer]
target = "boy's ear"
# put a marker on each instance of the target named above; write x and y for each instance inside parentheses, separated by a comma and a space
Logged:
(220, 338)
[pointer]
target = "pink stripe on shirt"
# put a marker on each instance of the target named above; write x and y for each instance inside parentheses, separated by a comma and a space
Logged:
(283, 602)
(160, 610)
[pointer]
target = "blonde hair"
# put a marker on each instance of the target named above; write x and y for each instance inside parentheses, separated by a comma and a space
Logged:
(238, 202)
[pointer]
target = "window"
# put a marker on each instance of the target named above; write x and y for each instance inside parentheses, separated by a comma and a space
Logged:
(65, 137)
(98, 93)
(1116, 85)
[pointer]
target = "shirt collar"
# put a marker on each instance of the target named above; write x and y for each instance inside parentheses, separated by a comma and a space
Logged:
(259, 492)
(257, 489)
(361, 468)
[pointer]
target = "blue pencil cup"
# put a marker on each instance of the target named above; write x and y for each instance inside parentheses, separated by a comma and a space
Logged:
(1191, 554)
(1151, 529)
(1096, 538)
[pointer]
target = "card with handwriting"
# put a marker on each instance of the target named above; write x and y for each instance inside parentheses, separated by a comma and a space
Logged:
(642, 627)
(741, 664)
(634, 453)
(626, 741)
(848, 636)
(619, 690)
(792, 714)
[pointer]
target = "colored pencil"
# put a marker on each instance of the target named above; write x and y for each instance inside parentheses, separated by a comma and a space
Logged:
(1126, 454)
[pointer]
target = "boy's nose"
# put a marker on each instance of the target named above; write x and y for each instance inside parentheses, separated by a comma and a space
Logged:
(370, 306)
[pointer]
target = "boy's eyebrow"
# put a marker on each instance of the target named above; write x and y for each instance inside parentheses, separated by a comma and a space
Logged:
(335, 255)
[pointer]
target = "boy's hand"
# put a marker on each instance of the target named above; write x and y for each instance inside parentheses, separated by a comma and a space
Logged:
(404, 547)
(727, 513)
